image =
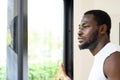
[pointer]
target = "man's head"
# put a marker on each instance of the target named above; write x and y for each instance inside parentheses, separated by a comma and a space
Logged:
(94, 25)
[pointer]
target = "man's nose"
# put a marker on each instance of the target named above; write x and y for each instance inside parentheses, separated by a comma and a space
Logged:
(80, 32)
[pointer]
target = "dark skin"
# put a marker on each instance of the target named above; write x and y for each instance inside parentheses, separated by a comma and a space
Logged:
(112, 66)
(87, 29)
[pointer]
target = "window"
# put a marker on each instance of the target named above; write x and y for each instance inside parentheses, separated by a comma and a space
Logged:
(45, 38)
(48, 38)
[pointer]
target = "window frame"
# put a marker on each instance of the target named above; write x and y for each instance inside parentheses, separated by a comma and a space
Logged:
(68, 37)
(22, 56)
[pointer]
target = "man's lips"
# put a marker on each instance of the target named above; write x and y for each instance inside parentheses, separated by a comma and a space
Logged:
(80, 39)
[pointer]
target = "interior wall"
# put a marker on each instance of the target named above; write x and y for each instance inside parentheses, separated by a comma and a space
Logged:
(83, 59)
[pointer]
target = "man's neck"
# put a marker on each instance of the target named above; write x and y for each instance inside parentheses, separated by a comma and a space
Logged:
(99, 46)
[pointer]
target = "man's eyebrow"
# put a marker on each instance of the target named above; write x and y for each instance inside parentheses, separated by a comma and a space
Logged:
(82, 24)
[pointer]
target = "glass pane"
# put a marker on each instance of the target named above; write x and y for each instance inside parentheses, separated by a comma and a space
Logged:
(12, 72)
(3, 28)
(45, 38)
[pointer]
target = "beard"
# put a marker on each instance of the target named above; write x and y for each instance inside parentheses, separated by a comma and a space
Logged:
(91, 44)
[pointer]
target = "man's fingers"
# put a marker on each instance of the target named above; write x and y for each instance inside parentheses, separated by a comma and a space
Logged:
(63, 69)
(63, 72)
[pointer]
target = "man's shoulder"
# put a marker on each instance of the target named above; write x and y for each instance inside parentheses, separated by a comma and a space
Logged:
(113, 58)
(114, 55)
(112, 65)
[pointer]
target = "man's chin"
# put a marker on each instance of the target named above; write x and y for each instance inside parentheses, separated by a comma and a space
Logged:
(88, 45)
(83, 46)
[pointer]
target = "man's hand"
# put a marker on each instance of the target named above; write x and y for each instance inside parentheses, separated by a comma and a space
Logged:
(65, 77)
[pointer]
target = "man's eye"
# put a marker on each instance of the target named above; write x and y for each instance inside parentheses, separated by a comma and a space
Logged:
(85, 26)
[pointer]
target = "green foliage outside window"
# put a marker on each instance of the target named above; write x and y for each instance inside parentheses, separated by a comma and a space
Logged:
(46, 71)
(2, 73)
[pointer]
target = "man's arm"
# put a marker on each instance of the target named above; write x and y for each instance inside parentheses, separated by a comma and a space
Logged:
(112, 66)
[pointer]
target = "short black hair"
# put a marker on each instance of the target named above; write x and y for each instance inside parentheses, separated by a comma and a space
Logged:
(101, 17)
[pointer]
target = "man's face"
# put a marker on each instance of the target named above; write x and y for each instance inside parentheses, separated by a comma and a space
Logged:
(88, 32)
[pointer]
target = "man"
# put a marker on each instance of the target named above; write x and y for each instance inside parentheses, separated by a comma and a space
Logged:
(94, 34)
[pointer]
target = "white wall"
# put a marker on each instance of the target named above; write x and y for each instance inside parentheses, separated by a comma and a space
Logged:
(83, 59)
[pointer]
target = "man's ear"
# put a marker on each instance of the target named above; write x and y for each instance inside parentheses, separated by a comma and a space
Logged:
(103, 29)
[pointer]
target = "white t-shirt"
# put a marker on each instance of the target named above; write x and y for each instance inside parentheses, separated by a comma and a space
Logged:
(97, 72)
